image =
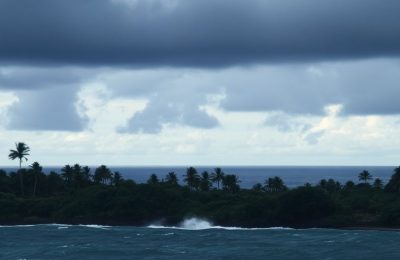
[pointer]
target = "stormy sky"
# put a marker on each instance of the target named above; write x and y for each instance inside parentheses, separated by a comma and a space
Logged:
(211, 82)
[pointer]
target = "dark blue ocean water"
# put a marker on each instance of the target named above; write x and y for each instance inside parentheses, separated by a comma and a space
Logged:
(99, 242)
(249, 175)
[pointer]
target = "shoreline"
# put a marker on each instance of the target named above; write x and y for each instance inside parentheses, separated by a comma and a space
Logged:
(103, 225)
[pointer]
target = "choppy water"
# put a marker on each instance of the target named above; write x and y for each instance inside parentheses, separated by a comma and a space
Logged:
(193, 240)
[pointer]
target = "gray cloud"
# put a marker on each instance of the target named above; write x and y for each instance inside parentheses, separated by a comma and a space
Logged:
(53, 109)
(24, 78)
(205, 33)
(180, 105)
(285, 123)
(367, 87)
(46, 96)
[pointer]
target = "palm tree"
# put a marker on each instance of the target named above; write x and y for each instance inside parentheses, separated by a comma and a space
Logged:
(275, 184)
(192, 178)
(205, 182)
(153, 179)
(67, 174)
(365, 176)
(117, 179)
(102, 174)
(171, 178)
(230, 183)
(217, 176)
(20, 152)
(37, 170)
(86, 174)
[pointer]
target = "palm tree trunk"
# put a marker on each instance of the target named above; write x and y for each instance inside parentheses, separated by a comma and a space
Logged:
(21, 178)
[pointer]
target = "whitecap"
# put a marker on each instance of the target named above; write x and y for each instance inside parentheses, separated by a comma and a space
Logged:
(201, 224)
(95, 226)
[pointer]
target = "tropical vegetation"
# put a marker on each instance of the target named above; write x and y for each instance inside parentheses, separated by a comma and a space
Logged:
(78, 195)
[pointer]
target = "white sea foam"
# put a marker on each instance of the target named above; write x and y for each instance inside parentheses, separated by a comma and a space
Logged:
(95, 226)
(17, 226)
(201, 224)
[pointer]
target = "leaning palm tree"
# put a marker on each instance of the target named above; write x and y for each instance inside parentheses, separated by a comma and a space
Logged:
(365, 176)
(21, 152)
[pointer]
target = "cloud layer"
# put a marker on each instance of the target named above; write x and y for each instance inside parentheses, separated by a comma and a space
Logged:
(205, 33)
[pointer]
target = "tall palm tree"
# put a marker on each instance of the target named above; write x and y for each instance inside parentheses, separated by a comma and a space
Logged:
(67, 174)
(37, 170)
(192, 178)
(217, 176)
(365, 176)
(21, 152)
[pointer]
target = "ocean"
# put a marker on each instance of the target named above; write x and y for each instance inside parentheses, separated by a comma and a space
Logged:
(194, 239)
(249, 175)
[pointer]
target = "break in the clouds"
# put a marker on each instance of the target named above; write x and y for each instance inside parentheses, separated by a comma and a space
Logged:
(205, 33)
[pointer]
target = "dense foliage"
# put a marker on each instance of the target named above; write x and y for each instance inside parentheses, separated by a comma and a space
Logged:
(80, 195)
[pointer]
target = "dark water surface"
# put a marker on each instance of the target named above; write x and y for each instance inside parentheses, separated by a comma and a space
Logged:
(97, 242)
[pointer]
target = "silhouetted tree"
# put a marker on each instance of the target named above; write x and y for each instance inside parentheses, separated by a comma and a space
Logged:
(257, 187)
(36, 170)
(117, 179)
(153, 179)
(349, 185)
(394, 183)
(274, 184)
(55, 183)
(378, 184)
(192, 178)
(21, 152)
(217, 176)
(67, 173)
(86, 173)
(171, 178)
(330, 186)
(364, 176)
(205, 182)
(102, 175)
(77, 178)
(230, 183)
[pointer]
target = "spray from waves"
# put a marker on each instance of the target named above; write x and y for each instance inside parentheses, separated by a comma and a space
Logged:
(201, 224)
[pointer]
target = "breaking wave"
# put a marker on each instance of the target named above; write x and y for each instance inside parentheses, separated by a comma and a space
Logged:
(201, 224)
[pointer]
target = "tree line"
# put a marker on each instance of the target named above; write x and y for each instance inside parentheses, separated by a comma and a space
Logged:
(78, 195)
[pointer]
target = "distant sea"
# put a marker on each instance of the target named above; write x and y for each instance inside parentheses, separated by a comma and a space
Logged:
(249, 175)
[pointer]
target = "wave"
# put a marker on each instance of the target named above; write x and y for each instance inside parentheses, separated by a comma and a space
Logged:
(60, 226)
(201, 224)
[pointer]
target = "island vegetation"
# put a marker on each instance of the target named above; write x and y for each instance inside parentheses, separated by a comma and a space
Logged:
(80, 195)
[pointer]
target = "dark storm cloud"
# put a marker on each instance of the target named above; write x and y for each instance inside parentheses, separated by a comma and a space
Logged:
(204, 33)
